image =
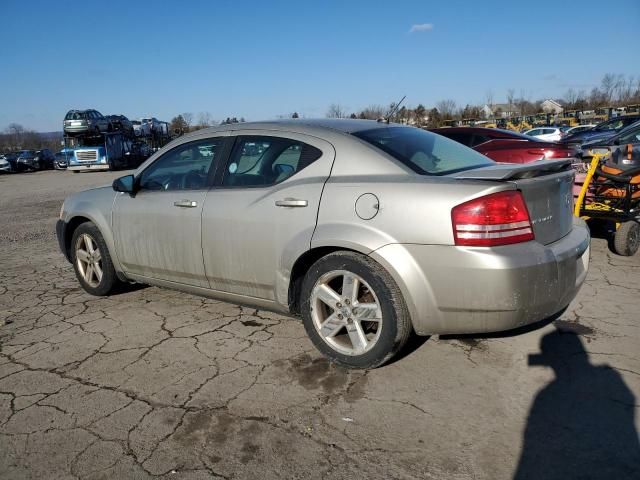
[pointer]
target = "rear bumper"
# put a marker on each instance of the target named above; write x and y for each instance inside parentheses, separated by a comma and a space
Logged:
(76, 129)
(452, 289)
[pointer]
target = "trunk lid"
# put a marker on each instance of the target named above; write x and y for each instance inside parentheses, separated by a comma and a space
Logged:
(547, 189)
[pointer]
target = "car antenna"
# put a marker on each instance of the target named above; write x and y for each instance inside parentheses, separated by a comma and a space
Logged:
(392, 112)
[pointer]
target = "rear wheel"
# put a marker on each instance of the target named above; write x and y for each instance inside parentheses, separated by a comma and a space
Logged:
(353, 311)
(626, 240)
(91, 261)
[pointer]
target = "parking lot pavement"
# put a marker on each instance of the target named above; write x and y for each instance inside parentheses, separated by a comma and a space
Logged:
(157, 383)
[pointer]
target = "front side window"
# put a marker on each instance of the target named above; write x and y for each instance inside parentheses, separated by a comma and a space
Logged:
(262, 161)
(424, 152)
(185, 167)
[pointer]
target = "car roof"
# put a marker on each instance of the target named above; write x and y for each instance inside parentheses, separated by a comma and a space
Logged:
(499, 132)
(309, 126)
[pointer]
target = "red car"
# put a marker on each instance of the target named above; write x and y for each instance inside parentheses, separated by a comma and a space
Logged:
(505, 146)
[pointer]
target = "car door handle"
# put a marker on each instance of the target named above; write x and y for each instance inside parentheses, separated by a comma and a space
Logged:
(185, 204)
(291, 202)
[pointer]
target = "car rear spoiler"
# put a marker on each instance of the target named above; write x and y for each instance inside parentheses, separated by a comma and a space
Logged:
(514, 171)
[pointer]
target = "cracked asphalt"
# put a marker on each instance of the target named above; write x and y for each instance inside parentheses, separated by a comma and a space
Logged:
(156, 383)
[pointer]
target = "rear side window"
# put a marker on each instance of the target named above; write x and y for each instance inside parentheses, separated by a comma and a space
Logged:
(424, 152)
(479, 139)
(463, 138)
(262, 161)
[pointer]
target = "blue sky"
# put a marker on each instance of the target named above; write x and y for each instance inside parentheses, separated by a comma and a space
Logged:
(261, 59)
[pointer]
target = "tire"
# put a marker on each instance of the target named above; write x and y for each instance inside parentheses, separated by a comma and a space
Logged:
(627, 239)
(92, 283)
(381, 330)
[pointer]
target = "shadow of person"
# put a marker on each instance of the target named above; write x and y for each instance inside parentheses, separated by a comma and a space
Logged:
(581, 425)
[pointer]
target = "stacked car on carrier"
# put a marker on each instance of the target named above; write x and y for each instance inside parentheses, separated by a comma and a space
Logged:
(97, 142)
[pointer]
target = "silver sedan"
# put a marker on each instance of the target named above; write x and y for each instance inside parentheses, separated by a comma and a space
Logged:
(369, 231)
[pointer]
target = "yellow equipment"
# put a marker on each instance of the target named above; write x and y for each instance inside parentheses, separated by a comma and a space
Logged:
(611, 194)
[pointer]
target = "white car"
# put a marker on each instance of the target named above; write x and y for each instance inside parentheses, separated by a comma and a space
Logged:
(5, 166)
(548, 134)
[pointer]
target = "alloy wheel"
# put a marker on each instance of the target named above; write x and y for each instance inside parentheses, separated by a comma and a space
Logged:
(346, 312)
(89, 260)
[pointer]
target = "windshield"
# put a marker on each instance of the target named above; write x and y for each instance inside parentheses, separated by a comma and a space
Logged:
(615, 124)
(424, 152)
(630, 134)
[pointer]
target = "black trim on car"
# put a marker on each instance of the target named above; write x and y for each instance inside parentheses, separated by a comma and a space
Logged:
(61, 229)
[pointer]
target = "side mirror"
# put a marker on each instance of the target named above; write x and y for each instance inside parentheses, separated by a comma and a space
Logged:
(124, 184)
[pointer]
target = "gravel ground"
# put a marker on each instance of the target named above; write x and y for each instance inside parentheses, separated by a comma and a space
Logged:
(155, 383)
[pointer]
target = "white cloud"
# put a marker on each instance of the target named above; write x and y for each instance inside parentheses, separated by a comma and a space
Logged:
(421, 27)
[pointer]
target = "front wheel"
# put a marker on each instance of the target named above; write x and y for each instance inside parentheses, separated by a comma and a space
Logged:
(353, 310)
(91, 261)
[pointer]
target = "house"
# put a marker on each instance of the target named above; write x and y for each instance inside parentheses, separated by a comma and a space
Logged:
(551, 106)
(500, 110)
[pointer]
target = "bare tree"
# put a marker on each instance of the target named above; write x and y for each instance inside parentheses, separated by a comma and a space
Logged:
(336, 111)
(608, 86)
(570, 97)
(511, 98)
(489, 99)
(373, 112)
(625, 90)
(188, 119)
(446, 108)
(15, 129)
(204, 119)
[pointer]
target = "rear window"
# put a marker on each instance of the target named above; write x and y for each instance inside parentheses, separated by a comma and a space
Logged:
(424, 152)
(73, 115)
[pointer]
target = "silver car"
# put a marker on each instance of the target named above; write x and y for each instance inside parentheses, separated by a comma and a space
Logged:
(369, 231)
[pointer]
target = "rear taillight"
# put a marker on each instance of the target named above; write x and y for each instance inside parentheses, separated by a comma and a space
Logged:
(497, 219)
